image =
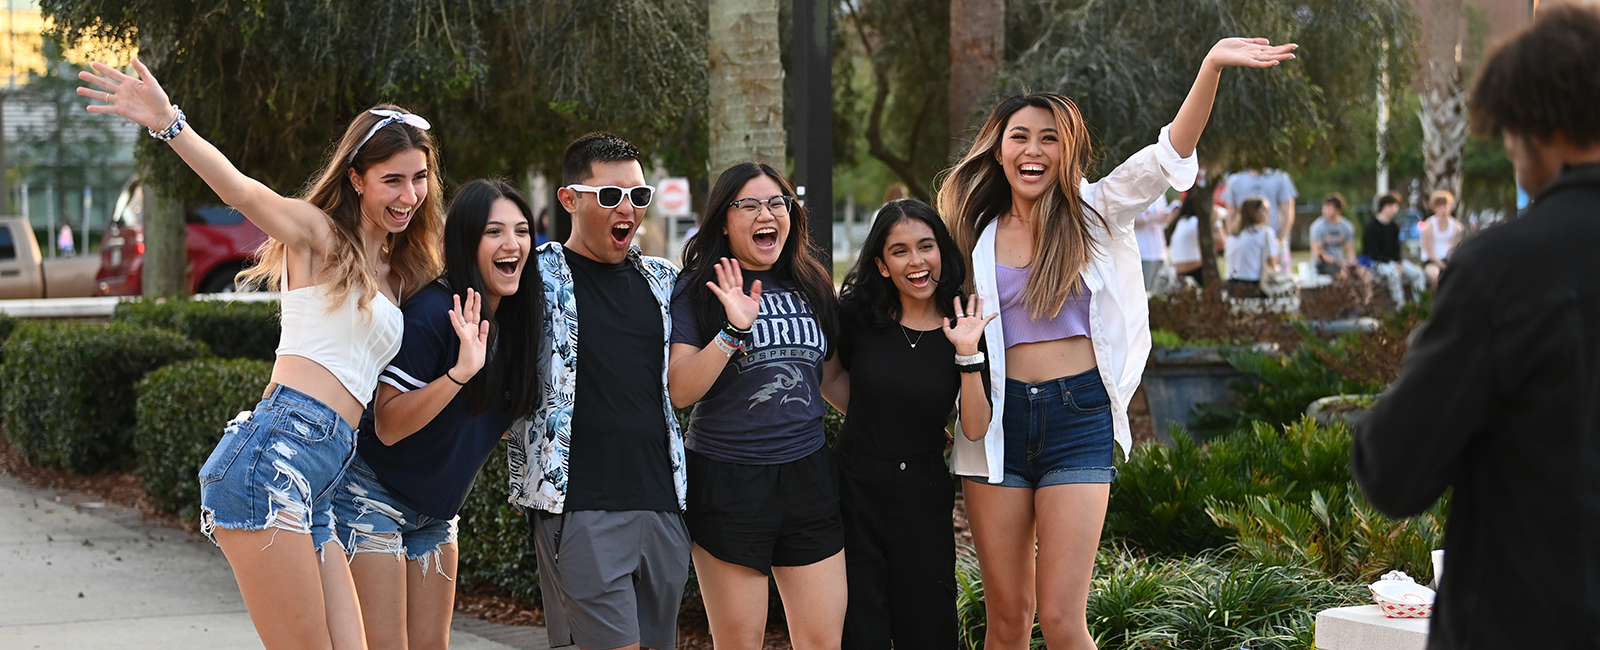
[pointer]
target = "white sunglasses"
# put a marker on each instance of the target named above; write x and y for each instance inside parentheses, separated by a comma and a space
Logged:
(610, 196)
(389, 117)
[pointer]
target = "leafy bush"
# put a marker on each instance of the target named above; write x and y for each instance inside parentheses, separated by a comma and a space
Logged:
(181, 411)
(69, 394)
(1159, 499)
(1277, 387)
(232, 329)
(1341, 536)
(1205, 601)
(493, 541)
(1195, 316)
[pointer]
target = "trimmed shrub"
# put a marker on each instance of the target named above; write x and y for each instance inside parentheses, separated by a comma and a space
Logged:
(69, 393)
(181, 411)
(1201, 602)
(232, 329)
(493, 540)
(1159, 500)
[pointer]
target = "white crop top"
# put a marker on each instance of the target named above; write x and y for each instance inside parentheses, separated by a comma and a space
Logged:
(352, 347)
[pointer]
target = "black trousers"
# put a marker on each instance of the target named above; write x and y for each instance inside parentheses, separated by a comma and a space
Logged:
(900, 552)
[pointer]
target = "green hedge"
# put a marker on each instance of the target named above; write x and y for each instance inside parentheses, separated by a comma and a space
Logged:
(493, 542)
(232, 329)
(69, 393)
(181, 411)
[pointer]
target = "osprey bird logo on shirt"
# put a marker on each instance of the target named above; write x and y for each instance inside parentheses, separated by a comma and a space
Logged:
(786, 382)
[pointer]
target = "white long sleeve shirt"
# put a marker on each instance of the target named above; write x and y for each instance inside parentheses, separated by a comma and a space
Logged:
(1119, 316)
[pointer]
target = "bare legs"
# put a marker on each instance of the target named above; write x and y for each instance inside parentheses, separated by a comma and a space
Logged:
(736, 602)
(404, 604)
(296, 600)
(1065, 521)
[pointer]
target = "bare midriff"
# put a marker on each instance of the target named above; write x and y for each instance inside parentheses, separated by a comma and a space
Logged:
(311, 378)
(1045, 360)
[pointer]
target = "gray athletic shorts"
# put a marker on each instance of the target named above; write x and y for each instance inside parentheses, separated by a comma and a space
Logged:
(610, 579)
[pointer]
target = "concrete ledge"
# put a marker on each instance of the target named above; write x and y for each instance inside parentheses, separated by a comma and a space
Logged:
(1366, 628)
(102, 307)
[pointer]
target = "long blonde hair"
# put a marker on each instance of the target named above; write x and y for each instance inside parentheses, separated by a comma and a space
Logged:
(975, 193)
(413, 254)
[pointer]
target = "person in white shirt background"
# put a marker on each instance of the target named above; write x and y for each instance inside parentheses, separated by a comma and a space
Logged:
(1150, 229)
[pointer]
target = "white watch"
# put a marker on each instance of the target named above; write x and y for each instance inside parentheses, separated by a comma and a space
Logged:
(967, 360)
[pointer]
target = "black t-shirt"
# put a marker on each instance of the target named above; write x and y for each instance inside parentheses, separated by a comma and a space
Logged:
(901, 396)
(766, 407)
(1381, 241)
(432, 470)
(619, 458)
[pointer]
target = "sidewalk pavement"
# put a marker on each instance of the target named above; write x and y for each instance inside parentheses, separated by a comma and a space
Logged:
(79, 573)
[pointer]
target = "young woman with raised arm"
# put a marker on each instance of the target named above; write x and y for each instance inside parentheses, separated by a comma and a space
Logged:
(909, 342)
(1056, 255)
(467, 368)
(362, 239)
(753, 320)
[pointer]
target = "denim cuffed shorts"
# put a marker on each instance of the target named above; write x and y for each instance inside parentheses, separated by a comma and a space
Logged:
(276, 467)
(372, 520)
(1058, 432)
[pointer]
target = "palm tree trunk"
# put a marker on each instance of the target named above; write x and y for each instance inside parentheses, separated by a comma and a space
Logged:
(1444, 114)
(977, 49)
(745, 84)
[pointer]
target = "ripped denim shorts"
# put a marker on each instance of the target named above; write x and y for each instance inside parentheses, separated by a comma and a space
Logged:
(372, 520)
(276, 467)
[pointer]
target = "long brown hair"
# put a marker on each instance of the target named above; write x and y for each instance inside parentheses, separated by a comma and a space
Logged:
(975, 193)
(413, 254)
(797, 264)
(1252, 212)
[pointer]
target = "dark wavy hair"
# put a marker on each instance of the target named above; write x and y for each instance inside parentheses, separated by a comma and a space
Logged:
(869, 298)
(797, 264)
(1543, 81)
(510, 377)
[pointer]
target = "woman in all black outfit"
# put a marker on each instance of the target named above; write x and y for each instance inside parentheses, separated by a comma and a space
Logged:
(911, 346)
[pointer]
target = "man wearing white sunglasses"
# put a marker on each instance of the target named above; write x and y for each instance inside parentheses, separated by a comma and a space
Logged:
(600, 469)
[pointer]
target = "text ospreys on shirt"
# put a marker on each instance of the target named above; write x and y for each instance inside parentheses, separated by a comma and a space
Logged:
(785, 341)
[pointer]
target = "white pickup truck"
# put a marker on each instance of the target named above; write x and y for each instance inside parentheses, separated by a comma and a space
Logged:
(25, 274)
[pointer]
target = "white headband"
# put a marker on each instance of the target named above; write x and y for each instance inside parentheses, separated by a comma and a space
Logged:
(389, 117)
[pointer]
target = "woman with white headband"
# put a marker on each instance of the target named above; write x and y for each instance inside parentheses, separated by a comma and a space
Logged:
(344, 255)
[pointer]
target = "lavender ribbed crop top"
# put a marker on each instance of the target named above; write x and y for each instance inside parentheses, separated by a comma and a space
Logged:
(1018, 327)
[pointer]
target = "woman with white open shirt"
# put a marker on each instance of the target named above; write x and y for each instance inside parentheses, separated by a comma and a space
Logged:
(1069, 347)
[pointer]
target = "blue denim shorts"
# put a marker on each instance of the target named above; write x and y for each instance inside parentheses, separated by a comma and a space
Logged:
(1058, 432)
(372, 520)
(276, 467)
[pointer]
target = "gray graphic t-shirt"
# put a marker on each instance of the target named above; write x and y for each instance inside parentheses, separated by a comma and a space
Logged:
(766, 408)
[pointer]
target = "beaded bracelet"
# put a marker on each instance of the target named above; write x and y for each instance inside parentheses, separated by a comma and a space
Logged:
(172, 130)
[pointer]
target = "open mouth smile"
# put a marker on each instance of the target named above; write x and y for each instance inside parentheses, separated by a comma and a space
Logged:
(920, 279)
(1031, 171)
(766, 237)
(620, 232)
(507, 266)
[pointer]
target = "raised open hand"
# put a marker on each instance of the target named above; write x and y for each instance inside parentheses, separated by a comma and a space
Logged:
(968, 325)
(473, 332)
(139, 98)
(729, 288)
(1250, 53)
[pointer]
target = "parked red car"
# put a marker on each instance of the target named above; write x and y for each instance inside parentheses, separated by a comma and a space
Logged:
(221, 243)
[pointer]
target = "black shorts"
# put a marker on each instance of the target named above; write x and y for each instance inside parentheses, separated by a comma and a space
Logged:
(761, 516)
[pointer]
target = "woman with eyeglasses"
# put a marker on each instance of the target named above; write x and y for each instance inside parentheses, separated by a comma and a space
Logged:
(752, 319)
(467, 366)
(910, 342)
(1057, 257)
(362, 239)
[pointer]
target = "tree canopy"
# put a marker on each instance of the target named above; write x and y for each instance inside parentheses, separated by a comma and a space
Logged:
(505, 83)
(1129, 64)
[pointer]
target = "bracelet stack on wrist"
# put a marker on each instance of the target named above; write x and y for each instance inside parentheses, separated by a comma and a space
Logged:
(727, 343)
(742, 336)
(172, 130)
(970, 362)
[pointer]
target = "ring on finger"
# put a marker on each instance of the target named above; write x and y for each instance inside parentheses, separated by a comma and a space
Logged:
(961, 315)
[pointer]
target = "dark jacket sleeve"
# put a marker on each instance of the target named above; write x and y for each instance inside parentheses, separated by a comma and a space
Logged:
(1406, 451)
